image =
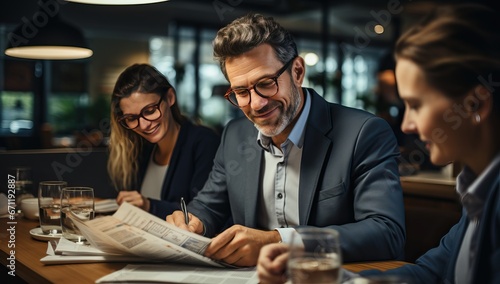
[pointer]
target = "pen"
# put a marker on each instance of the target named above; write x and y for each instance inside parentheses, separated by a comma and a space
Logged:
(184, 210)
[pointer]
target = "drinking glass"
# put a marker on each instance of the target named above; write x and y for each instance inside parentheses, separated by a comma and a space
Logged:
(49, 204)
(23, 184)
(76, 203)
(315, 256)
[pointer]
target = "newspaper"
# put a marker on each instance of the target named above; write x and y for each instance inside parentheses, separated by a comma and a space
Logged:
(66, 247)
(176, 273)
(133, 231)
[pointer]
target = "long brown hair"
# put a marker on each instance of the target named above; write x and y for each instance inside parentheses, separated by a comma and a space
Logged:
(125, 144)
(458, 48)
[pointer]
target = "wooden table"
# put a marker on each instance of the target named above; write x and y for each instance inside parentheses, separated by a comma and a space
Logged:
(380, 265)
(29, 251)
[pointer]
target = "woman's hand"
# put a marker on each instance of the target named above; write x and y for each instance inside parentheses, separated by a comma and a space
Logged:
(134, 198)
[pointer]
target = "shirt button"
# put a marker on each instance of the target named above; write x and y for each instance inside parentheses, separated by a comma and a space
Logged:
(280, 195)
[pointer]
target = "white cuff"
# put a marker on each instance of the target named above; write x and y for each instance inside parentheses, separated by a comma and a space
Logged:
(286, 234)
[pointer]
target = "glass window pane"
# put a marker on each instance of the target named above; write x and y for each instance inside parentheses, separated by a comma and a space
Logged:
(180, 73)
(17, 113)
(215, 111)
(67, 112)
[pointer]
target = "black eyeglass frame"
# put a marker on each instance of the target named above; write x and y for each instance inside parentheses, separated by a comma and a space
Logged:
(274, 78)
(156, 106)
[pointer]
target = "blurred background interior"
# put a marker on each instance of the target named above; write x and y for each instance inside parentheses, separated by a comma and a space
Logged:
(54, 114)
(57, 103)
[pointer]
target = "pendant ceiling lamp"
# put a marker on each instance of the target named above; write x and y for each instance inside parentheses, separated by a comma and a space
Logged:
(117, 2)
(47, 37)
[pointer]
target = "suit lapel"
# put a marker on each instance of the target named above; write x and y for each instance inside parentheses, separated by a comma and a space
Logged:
(176, 153)
(480, 268)
(251, 183)
(314, 153)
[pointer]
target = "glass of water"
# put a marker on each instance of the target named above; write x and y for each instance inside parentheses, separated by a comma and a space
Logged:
(77, 203)
(315, 256)
(49, 204)
(23, 184)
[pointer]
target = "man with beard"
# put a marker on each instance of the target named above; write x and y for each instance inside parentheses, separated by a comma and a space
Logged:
(303, 162)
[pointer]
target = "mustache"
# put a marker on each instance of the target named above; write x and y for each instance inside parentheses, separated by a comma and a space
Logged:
(265, 109)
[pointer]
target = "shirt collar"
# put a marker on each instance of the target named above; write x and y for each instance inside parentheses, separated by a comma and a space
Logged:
(296, 135)
(474, 190)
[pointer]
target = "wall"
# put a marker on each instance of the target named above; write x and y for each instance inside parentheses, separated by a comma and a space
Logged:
(432, 207)
(79, 167)
(111, 56)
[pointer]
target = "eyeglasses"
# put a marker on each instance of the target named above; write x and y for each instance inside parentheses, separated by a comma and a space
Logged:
(149, 113)
(265, 88)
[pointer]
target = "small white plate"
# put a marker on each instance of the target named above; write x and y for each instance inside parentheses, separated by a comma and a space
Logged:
(37, 234)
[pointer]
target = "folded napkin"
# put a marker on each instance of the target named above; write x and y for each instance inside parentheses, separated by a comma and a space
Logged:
(106, 206)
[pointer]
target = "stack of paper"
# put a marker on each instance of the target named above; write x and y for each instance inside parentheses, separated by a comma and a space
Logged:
(63, 251)
(176, 273)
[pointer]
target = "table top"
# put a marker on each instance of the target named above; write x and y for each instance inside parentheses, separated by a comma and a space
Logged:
(430, 177)
(15, 240)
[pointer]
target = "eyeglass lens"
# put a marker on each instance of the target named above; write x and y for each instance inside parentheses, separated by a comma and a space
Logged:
(266, 88)
(149, 113)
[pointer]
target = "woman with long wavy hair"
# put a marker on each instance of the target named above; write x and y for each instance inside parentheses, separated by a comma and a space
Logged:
(156, 155)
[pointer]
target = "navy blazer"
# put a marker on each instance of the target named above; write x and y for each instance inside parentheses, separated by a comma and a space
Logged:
(438, 264)
(349, 181)
(189, 167)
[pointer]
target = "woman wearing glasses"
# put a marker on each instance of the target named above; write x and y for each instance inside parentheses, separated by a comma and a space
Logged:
(156, 154)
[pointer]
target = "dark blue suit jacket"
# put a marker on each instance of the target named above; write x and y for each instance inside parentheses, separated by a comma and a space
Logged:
(189, 167)
(438, 264)
(349, 181)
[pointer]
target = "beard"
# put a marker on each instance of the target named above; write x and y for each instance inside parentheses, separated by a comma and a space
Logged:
(273, 128)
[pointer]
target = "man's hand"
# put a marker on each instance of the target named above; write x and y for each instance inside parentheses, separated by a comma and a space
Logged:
(134, 198)
(271, 265)
(240, 245)
(177, 218)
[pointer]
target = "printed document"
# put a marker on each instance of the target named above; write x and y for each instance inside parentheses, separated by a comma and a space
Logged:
(131, 230)
(174, 273)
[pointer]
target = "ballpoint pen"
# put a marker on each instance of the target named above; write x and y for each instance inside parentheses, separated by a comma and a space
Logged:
(184, 210)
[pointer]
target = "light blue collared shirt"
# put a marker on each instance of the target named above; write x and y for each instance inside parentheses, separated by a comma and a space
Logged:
(279, 206)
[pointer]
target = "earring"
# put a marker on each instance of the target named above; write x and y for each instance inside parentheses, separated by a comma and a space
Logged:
(477, 117)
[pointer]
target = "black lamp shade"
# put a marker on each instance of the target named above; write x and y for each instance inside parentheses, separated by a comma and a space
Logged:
(52, 40)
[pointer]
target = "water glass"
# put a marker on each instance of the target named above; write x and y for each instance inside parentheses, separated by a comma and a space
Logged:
(315, 256)
(49, 204)
(23, 184)
(76, 203)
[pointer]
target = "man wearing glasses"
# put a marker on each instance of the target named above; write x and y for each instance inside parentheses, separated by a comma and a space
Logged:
(295, 160)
